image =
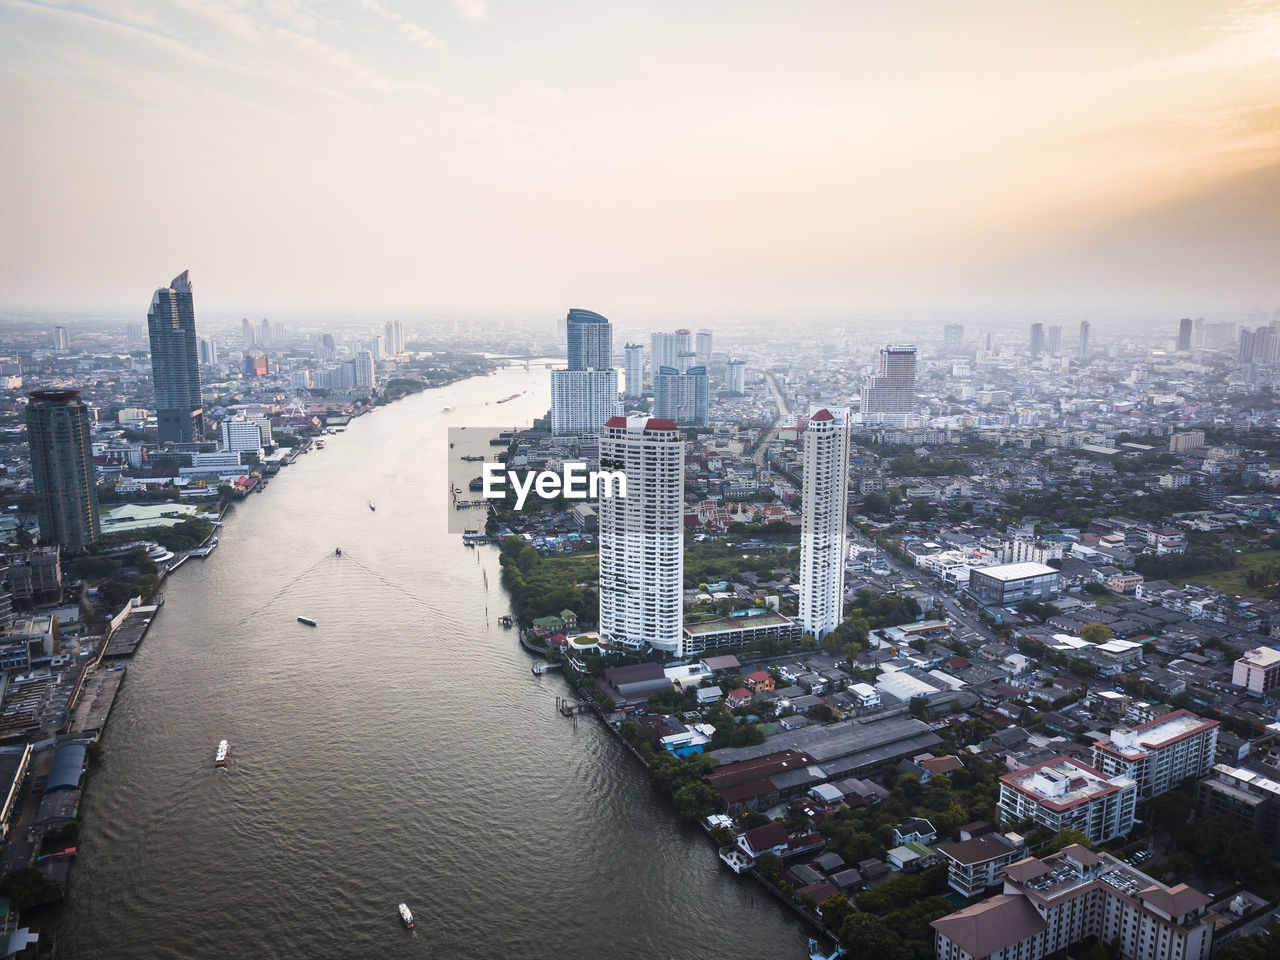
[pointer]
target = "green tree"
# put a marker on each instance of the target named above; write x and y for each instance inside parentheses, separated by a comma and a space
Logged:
(1096, 633)
(769, 866)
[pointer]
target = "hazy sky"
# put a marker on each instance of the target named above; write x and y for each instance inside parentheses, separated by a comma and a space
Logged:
(674, 156)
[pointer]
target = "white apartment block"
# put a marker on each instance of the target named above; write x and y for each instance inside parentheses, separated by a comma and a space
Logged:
(1062, 793)
(641, 535)
(582, 400)
(1050, 904)
(1258, 671)
(1030, 550)
(633, 368)
(822, 521)
(245, 434)
(1160, 754)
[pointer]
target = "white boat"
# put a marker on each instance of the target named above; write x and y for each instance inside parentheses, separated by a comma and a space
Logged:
(371, 506)
(307, 621)
(405, 916)
(220, 758)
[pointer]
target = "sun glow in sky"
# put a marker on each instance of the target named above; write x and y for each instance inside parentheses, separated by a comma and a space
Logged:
(660, 155)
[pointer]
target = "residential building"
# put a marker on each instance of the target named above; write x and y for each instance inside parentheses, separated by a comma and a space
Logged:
(1160, 754)
(243, 435)
(953, 338)
(34, 573)
(590, 340)
(1047, 905)
(1084, 339)
(1249, 798)
(702, 349)
(582, 400)
(890, 397)
(175, 369)
(735, 376)
(633, 369)
(1258, 671)
(365, 379)
(61, 339)
(665, 350)
(1013, 582)
(1063, 792)
(1184, 334)
(393, 334)
(682, 396)
(976, 864)
(64, 477)
(1037, 340)
(641, 535)
(822, 521)
(1188, 442)
(1053, 340)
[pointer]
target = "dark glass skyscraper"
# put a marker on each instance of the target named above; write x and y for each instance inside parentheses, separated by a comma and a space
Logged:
(590, 341)
(62, 468)
(171, 322)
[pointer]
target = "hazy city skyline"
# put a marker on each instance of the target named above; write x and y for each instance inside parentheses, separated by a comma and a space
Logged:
(642, 158)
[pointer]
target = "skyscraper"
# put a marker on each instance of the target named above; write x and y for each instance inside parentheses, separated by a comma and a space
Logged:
(171, 323)
(1053, 340)
(61, 339)
(590, 339)
(62, 468)
(666, 348)
(641, 535)
(1037, 340)
(1084, 339)
(582, 400)
(585, 394)
(248, 333)
(682, 395)
(208, 351)
(633, 367)
(890, 398)
(735, 378)
(394, 336)
(953, 338)
(703, 348)
(822, 524)
(1184, 334)
(364, 370)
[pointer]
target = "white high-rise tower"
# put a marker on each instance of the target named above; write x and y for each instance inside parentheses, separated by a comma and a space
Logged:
(822, 524)
(642, 535)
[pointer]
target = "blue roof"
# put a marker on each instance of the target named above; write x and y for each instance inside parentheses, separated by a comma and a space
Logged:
(68, 765)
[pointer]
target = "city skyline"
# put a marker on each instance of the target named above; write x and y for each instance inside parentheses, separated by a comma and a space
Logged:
(831, 159)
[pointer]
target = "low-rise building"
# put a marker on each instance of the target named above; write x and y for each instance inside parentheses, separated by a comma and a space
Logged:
(976, 864)
(1014, 582)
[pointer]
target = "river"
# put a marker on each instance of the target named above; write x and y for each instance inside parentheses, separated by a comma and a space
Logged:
(400, 750)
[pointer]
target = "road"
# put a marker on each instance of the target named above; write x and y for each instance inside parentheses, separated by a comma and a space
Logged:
(783, 408)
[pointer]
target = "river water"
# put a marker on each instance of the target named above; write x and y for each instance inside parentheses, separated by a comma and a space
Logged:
(400, 750)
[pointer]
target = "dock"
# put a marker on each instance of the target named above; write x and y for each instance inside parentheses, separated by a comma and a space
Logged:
(125, 638)
(571, 708)
(97, 696)
(539, 667)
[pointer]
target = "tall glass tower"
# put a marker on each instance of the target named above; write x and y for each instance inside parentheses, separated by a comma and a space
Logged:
(62, 469)
(171, 322)
(590, 341)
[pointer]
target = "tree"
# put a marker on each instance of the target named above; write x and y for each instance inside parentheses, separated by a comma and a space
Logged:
(835, 910)
(1066, 837)
(864, 935)
(769, 866)
(696, 800)
(1096, 633)
(919, 707)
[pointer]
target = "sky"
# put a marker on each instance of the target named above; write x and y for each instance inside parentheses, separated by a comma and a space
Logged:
(681, 157)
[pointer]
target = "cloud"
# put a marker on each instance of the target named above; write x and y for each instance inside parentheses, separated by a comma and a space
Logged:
(1243, 37)
(474, 10)
(405, 28)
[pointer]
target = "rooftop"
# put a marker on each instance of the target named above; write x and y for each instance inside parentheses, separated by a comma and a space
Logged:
(1062, 783)
(1155, 734)
(1016, 571)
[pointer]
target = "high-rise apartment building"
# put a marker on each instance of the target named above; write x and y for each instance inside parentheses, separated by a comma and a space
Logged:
(1053, 340)
(585, 394)
(641, 535)
(62, 468)
(393, 333)
(582, 400)
(702, 348)
(61, 339)
(1159, 754)
(633, 367)
(1037, 340)
(265, 333)
(890, 398)
(682, 395)
(1184, 334)
(364, 370)
(208, 351)
(590, 339)
(175, 370)
(735, 376)
(248, 333)
(1084, 339)
(822, 521)
(666, 349)
(953, 338)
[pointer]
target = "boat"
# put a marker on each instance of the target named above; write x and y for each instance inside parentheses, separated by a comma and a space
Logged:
(508, 399)
(337, 551)
(307, 620)
(473, 457)
(220, 758)
(472, 537)
(319, 444)
(405, 916)
(448, 409)
(371, 506)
